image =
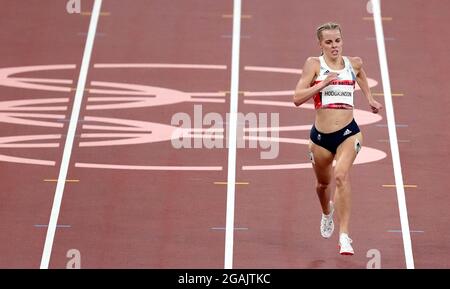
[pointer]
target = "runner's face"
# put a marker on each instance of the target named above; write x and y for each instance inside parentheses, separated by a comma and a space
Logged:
(331, 43)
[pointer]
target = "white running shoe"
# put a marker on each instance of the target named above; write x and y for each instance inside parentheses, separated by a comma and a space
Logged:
(345, 245)
(327, 224)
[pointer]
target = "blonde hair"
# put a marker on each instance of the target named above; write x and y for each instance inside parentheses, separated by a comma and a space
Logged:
(327, 26)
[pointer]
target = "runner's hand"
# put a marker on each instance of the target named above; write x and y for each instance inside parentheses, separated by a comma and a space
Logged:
(330, 77)
(375, 106)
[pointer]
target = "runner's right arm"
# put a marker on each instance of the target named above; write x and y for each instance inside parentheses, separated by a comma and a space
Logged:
(304, 91)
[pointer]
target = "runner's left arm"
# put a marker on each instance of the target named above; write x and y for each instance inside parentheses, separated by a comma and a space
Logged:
(361, 79)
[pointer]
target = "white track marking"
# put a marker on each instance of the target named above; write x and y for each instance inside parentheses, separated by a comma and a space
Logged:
(393, 135)
(234, 93)
(70, 136)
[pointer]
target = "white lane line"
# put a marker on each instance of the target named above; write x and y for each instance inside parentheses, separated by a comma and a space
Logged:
(393, 135)
(234, 94)
(231, 36)
(45, 226)
(399, 231)
(400, 140)
(236, 228)
(70, 136)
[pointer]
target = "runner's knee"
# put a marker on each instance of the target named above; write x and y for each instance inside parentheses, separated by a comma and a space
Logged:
(341, 178)
(322, 186)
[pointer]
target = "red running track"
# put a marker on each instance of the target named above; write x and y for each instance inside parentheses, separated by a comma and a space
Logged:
(135, 201)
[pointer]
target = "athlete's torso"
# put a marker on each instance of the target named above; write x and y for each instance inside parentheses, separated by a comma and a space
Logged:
(339, 93)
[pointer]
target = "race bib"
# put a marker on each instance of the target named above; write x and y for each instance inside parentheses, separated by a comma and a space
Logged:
(337, 94)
